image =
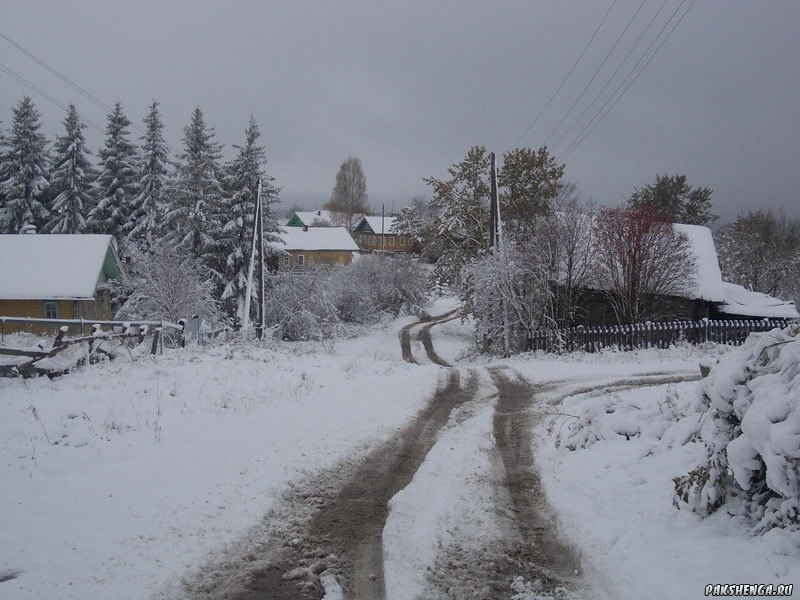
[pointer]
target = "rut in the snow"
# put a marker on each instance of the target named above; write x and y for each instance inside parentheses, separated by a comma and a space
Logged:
(529, 547)
(425, 336)
(346, 530)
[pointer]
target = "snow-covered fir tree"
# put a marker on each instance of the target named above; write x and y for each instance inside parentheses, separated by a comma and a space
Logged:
(198, 195)
(71, 179)
(24, 177)
(117, 182)
(236, 236)
(148, 207)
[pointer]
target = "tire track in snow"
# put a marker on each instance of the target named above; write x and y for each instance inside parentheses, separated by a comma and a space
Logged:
(425, 337)
(335, 531)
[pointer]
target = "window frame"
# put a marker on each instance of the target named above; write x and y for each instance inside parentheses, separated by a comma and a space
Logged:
(300, 260)
(46, 304)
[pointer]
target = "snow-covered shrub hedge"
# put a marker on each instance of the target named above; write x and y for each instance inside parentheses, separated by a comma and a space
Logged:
(302, 305)
(316, 304)
(750, 424)
(374, 286)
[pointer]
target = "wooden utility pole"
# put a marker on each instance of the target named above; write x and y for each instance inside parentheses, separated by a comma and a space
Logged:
(260, 235)
(383, 237)
(494, 210)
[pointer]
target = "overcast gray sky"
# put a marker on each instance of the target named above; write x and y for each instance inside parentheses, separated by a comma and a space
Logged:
(409, 86)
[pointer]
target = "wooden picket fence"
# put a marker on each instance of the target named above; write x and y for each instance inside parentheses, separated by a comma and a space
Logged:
(661, 334)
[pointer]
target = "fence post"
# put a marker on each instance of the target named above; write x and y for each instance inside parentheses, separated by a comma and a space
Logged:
(156, 336)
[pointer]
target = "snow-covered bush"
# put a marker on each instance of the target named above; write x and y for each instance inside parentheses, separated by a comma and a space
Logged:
(167, 283)
(302, 304)
(374, 286)
(321, 303)
(507, 291)
(750, 424)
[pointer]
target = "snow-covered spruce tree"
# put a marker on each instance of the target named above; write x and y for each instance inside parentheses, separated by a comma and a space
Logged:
(149, 205)
(116, 184)
(24, 177)
(750, 422)
(72, 178)
(235, 241)
(197, 200)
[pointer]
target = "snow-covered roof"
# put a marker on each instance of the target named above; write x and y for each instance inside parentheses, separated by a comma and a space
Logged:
(55, 266)
(374, 224)
(316, 238)
(311, 217)
(741, 301)
(708, 278)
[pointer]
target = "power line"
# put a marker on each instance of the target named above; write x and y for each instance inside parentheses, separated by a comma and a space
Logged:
(65, 79)
(582, 136)
(613, 75)
(46, 96)
(563, 81)
(596, 73)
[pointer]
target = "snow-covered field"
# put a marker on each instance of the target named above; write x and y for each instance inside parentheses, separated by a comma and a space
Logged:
(120, 478)
(123, 478)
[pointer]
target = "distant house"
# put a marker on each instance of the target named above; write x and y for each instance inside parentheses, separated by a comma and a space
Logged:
(308, 247)
(708, 296)
(377, 233)
(310, 218)
(57, 276)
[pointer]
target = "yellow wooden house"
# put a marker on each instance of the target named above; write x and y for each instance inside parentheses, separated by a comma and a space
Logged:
(309, 247)
(57, 276)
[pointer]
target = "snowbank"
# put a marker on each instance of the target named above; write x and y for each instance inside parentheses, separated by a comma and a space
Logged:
(122, 477)
(607, 461)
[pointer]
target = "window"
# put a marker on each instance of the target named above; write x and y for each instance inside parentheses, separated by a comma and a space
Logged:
(402, 241)
(391, 240)
(286, 261)
(301, 260)
(50, 309)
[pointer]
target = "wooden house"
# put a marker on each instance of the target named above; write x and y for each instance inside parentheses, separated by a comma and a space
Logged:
(708, 296)
(309, 247)
(377, 234)
(57, 276)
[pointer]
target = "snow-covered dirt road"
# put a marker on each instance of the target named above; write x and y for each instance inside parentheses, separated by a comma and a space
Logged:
(244, 473)
(449, 507)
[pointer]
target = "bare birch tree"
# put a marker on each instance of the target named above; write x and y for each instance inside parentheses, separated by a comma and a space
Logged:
(348, 200)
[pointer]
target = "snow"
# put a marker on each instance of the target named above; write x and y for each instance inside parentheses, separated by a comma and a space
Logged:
(53, 266)
(375, 224)
(316, 238)
(446, 501)
(741, 301)
(708, 280)
(607, 461)
(156, 464)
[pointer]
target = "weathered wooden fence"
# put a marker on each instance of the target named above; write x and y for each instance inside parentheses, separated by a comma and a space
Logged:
(37, 360)
(661, 334)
